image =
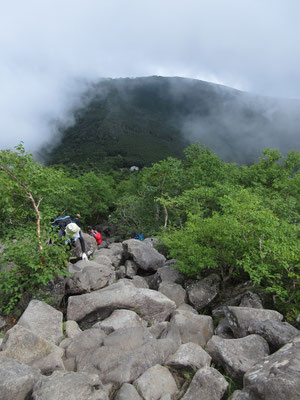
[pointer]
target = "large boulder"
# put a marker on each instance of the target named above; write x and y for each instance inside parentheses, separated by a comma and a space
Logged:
(275, 377)
(173, 291)
(128, 338)
(127, 392)
(192, 327)
(85, 341)
(90, 246)
(237, 356)
(166, 274)
(145, 256)
(118, 366)
(91, 277)
(149, 304)
(155, 383)
(120, 319)
(189, 356)
(24, 345)
(276, 333)
(72, 329)
(44, 320)
(240, 318)
(203, 292)
(130, 268)
(69, 385)
(16, 379)
(207, 384)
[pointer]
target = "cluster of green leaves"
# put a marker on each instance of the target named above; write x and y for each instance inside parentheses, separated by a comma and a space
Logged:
(29, 261)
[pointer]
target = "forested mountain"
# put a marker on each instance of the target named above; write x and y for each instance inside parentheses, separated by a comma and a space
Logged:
(124, 122)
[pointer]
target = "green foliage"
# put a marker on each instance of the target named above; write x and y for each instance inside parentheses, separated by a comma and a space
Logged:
(25, 268)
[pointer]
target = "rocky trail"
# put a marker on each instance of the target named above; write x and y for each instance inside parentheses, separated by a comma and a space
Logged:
(135, 329)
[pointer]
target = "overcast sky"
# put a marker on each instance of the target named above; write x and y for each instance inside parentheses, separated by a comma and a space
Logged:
(50, 49)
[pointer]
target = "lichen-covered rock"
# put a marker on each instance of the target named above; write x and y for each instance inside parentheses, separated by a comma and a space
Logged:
(69, 385)
(145, 256)
(203, 292)
(237, 356)
(16, 379)
(149, 304)
(127, 392)
(275, 377)
(166, 274)
(24, 345)
(189, 356)
(91, 277)
(173, 291)
(208, 384)
(155, 383)
(120, 319)
(44, 320)
(192, 327)
(276, 333)
(240, 318)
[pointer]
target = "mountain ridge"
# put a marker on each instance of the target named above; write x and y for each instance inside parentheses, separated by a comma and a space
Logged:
(138, 121)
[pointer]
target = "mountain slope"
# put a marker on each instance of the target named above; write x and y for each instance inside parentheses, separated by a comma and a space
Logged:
(139, 121)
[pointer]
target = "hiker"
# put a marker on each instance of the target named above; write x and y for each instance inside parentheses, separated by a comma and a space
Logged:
(73, 232)
(96, 234)
(70, 229)
(134, 235)
(77, 220)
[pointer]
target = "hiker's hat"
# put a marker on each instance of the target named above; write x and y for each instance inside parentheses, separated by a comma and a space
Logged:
(72, 229)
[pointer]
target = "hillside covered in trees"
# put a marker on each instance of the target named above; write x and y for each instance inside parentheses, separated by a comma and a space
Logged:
(241, 222)
(125, 122)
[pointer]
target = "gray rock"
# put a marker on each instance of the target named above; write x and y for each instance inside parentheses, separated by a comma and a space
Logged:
(72, 329)
(128, 338)
(237, 356)
(44, 320)
(149, 304)
(127, 392)
(276, 333)
(157, 329)
(172, 332)
(116, 366)
(207, 384)
(80, 265)
(298, 321)
(145, 256)
(151, 241)
(113, 253)
(239, 395)
(120, 319)
(224, 330)
(173, 291)
(53, 293)
(90, 246)
(85, 341)
(250, 299)
(91, 277)
(187, 307)
(140, 282)
(189, 356)
(275, 377)
(69, 385)
(203, 292)
(240, 318)
(49, 363)
(2, 323)
(193, 328)
(24, 345)
(130, 268)
(16, 379)
(102, 259)
(166, 274)
(156, 382)
(121, 272)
